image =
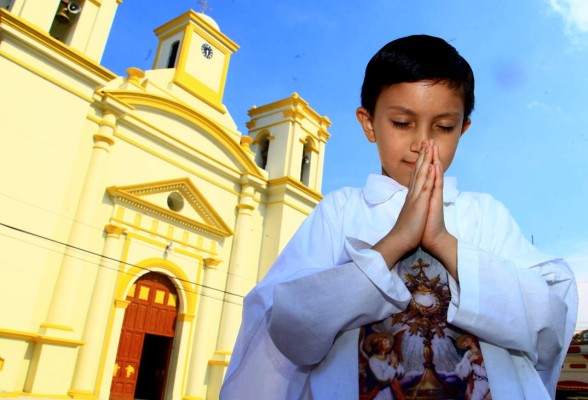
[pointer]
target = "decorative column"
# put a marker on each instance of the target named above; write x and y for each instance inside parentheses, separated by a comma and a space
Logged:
(93, 41)
(69, 289)
(204, 340)
(181, 353)
(323, 136)
(88, 363)
(61, 311)
(242, 274)
(241, 277)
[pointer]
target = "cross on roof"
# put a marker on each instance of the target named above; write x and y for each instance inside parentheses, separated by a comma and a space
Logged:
(204, 5)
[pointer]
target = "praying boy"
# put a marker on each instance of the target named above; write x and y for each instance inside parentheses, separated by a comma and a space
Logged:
(411, 258)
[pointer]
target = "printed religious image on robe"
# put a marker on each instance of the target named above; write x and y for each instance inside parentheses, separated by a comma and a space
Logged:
(416, 354)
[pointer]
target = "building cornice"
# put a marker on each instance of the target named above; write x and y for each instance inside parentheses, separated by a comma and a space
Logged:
(14, 26)
(294, 185)
(196, 19)
(296, 108)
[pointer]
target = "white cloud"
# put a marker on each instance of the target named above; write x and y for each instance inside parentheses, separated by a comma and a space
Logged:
(574, 13)
(542, 106)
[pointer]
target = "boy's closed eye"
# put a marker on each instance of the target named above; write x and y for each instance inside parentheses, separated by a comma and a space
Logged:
(406, 125)
(446, 128)
(400, 124)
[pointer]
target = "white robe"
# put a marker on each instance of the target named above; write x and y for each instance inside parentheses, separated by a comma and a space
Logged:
(299, 335)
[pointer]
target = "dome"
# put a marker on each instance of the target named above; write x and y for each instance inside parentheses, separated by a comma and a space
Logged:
(209, 20)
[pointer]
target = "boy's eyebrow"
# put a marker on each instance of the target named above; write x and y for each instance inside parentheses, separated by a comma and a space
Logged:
(400, 108)
(456, 114)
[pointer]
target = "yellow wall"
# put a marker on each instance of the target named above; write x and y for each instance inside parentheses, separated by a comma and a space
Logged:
(89, 161)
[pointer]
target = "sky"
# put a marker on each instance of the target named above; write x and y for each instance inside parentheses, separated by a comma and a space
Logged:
(528, 142)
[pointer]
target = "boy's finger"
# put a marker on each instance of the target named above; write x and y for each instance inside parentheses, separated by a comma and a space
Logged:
(425, 183)
(420, 158)
(437, 158)
(422, 169)
(417, 165)
(428, 186)
(436, 199)
(438, 188)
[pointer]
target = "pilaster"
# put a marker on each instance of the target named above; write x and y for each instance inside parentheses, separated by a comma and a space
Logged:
(61, 311)
(88, 363)
(241, 278)
(209, 311)
(242, 272)
(62, 314)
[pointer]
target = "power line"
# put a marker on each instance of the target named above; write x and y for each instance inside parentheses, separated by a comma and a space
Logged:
(100, 256)
(73, 220)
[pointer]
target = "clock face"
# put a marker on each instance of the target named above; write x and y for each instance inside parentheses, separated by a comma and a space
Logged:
(206, 50)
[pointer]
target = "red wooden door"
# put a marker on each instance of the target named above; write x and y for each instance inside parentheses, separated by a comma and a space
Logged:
(153, 310)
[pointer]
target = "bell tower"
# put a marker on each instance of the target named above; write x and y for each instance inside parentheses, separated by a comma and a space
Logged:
(289, 139)
(81, 24)
(199, 52)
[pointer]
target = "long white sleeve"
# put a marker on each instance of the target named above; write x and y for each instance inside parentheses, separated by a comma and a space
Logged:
(309, 312)
(510, 295)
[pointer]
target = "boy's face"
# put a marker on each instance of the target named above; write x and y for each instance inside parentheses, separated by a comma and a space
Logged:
(406, 114)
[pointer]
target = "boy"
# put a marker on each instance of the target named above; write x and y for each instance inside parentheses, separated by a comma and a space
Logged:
(411, 257)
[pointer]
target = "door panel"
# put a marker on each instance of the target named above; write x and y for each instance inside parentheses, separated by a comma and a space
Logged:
(152, 313)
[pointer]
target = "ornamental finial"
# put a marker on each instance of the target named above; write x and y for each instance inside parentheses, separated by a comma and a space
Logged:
(204, 5)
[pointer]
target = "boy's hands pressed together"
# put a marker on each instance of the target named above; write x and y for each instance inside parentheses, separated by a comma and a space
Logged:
(412, 220)
(436, 239)
(408, 231)
(421, 222)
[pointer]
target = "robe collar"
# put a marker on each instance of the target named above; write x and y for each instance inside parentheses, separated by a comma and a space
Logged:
(380, 188)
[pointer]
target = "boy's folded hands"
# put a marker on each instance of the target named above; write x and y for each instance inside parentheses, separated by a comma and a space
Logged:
(421, 221)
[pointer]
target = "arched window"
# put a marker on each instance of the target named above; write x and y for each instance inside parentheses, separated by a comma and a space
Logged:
(65, 19)
(173, 54)
(306, 161)
(262, 143)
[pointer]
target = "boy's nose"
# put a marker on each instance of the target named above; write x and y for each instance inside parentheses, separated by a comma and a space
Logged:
(421, 134)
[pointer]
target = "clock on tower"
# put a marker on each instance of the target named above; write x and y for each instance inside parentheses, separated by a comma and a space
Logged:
(199, 52)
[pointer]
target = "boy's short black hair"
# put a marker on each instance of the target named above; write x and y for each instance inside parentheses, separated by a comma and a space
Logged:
(417, 58)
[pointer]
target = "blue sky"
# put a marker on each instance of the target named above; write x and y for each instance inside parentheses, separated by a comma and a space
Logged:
(528, 143)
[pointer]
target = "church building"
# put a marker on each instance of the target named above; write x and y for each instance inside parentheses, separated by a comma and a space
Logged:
(134, 215)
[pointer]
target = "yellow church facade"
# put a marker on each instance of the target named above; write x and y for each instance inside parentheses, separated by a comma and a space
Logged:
(135, 216)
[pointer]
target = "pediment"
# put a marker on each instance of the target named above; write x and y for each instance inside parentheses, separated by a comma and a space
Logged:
(178, 201)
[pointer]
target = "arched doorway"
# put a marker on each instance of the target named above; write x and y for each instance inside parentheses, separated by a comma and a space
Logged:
(142, 359)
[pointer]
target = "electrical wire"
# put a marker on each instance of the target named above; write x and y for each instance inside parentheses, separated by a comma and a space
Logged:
(73, 220)
(100, 265)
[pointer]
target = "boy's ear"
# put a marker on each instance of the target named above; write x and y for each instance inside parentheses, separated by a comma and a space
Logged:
(365, 120)
(466, 125)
